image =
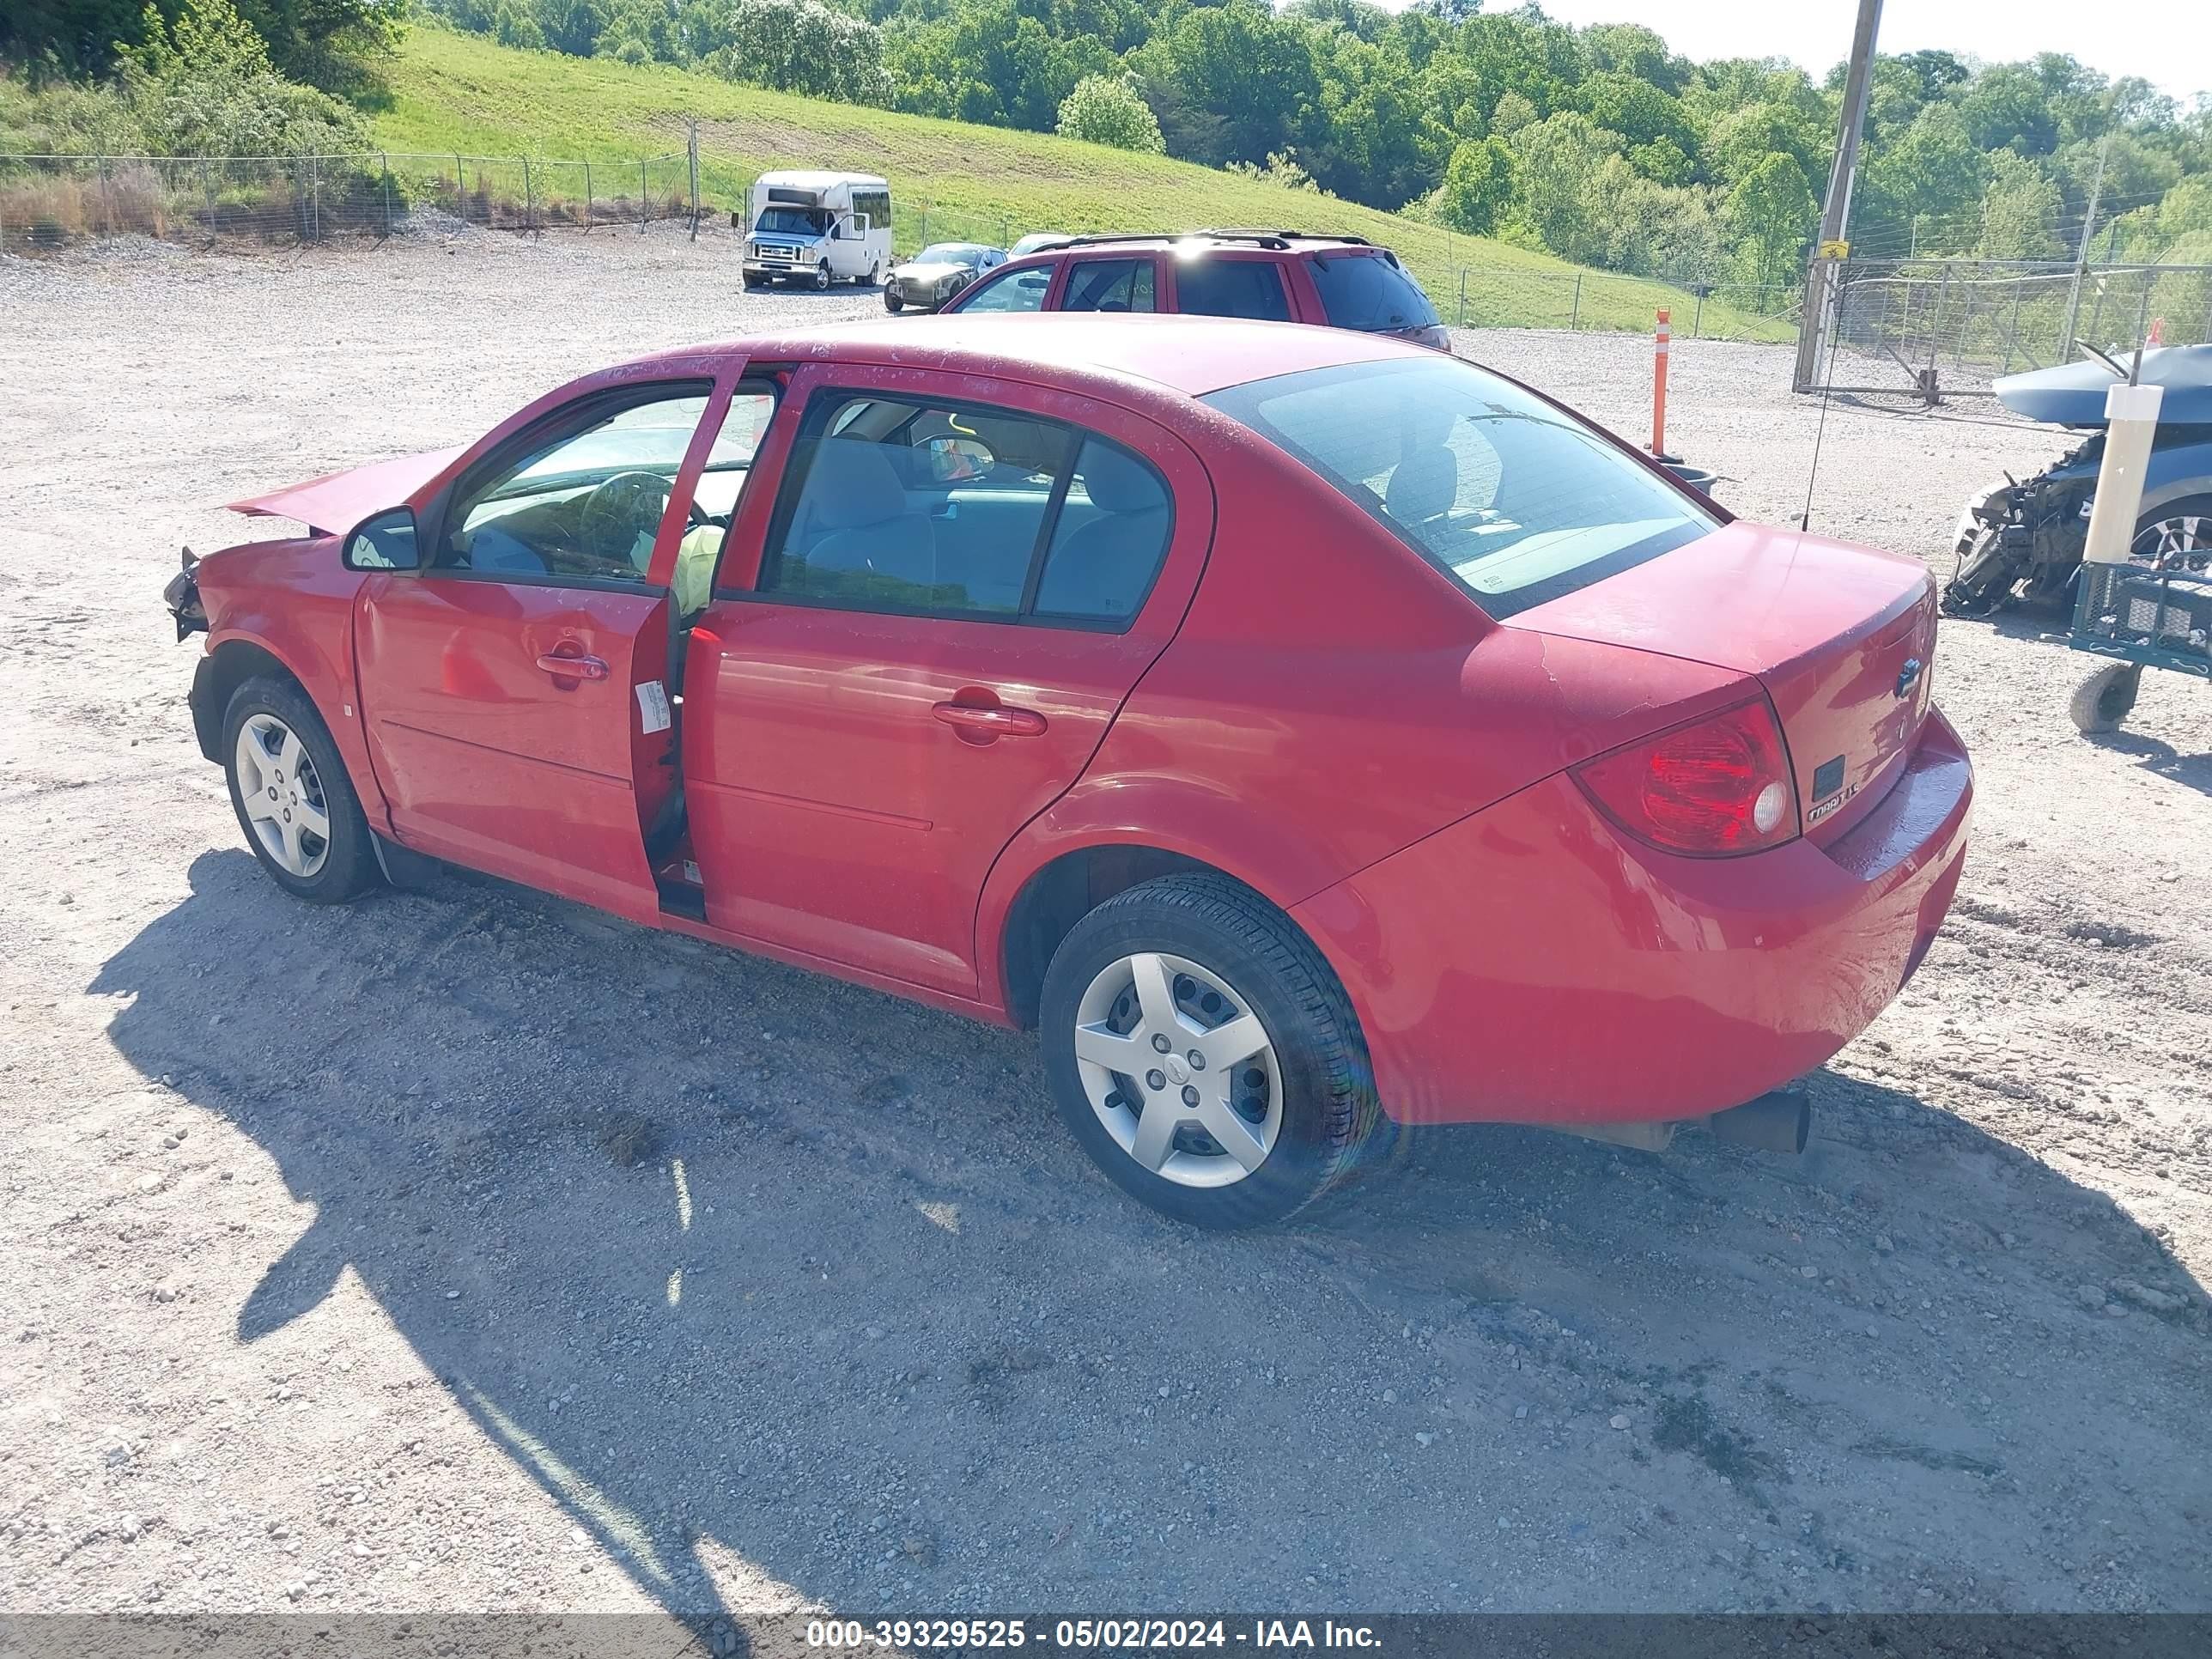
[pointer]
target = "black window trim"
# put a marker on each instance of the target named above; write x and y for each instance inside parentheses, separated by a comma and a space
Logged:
(821, 405)
(595, 407)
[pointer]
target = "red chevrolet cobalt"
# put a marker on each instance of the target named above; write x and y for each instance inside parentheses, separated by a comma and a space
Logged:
(1293, 726)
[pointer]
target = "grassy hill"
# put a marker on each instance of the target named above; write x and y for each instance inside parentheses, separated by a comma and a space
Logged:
(461, 92)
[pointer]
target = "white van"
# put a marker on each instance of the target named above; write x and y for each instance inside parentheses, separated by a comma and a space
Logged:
(818, 228)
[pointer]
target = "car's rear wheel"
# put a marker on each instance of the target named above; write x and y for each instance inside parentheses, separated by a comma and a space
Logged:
(294, 799)
(1204, 1055)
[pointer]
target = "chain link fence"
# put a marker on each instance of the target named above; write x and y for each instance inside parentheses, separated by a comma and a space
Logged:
(1933, 329)
(51, 202)
(1601, 301)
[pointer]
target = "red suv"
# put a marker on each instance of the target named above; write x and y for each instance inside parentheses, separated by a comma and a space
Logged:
(1267, 275)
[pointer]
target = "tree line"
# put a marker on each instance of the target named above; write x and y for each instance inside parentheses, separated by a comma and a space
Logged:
(1599, 144)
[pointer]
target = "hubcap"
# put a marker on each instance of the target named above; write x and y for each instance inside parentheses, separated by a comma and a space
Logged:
(2181, 542)
(284, 795)
(1179, 1069)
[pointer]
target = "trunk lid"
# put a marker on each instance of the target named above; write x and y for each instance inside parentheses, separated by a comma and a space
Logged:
(1842, 637)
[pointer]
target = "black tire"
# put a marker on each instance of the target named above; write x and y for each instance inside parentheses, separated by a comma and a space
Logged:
(349, 866)
(822, 279)
(892, 303)
(1329, 1111)
(2103, 700)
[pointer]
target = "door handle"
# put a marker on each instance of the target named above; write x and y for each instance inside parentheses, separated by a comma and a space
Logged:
(982, 722)
(579, 667)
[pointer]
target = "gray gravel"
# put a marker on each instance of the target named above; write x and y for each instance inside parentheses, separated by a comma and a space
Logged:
(468, 1250)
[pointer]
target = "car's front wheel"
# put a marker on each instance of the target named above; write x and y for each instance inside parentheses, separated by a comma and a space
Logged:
(294, 799)
(892, 303)
(1204, 1053)
(821, 278)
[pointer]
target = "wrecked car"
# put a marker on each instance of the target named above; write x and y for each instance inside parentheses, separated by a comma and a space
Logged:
(1298, 729)
(2020, 541)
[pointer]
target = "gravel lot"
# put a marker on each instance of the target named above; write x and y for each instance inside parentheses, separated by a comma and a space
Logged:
(468, 1250)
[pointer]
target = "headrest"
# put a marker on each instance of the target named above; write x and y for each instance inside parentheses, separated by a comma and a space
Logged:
(1423, 485)
(1118, 482)
(853, 484)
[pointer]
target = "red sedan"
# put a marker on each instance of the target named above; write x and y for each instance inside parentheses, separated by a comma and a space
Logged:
(1294, 727)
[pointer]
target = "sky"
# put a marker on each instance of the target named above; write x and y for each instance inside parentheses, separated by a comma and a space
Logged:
(2167, 42)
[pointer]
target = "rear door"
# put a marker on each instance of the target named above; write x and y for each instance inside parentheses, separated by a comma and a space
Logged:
(959, 584)
(514, 690)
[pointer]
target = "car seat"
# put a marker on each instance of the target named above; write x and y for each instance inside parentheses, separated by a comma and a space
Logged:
(855, 504)
(1424, 485)
(1102, 568)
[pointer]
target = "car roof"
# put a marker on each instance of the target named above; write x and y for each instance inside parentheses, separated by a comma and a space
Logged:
(1192, 356)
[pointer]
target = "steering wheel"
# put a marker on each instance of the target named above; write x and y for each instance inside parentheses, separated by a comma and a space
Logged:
(619, 510)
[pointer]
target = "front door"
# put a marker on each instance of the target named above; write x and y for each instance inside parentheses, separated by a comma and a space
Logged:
(515, 690)
(954, 595)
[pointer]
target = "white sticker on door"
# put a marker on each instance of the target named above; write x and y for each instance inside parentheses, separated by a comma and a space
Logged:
(653, 706)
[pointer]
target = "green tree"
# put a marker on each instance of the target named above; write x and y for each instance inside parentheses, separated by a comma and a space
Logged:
(991, 61)
(1514, 112)
(1770, 210)
(1932, 176)
(803, 45)
(1478, 187)
(1554, 160)
(204, 86)
(2008, 106)
(1106, 110)
(2020, 211)
(1251, 72)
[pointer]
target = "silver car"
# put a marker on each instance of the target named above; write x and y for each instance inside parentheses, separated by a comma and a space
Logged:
(937, 273)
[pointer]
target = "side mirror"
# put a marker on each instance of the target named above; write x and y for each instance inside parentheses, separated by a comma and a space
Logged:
(386, 541)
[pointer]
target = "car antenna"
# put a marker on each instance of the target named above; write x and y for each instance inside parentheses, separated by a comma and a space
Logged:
(1820, 434)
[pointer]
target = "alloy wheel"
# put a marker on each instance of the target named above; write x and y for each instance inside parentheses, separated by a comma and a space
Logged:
(2183, 541)
(282, 795)
(1179, 1069)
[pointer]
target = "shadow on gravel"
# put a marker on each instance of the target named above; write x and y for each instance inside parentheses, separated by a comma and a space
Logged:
(766, 1278)
(2155, 755)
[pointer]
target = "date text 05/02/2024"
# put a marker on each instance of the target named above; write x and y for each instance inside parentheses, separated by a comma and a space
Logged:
(1089, 1635)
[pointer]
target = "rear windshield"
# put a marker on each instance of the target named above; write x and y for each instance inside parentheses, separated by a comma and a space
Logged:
(1514, 500)
(1368, 291)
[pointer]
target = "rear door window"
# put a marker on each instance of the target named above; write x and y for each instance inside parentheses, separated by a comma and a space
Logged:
(964, 511)
(1371, 292)
(1108, 285)
(1216, 287)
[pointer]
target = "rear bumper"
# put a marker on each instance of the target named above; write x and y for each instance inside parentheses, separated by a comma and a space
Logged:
(1532, 964)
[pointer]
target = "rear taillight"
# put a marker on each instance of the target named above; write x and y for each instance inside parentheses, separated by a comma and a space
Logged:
(1714, 787)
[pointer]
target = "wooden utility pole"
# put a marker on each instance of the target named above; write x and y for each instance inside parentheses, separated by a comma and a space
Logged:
(1819, 316)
